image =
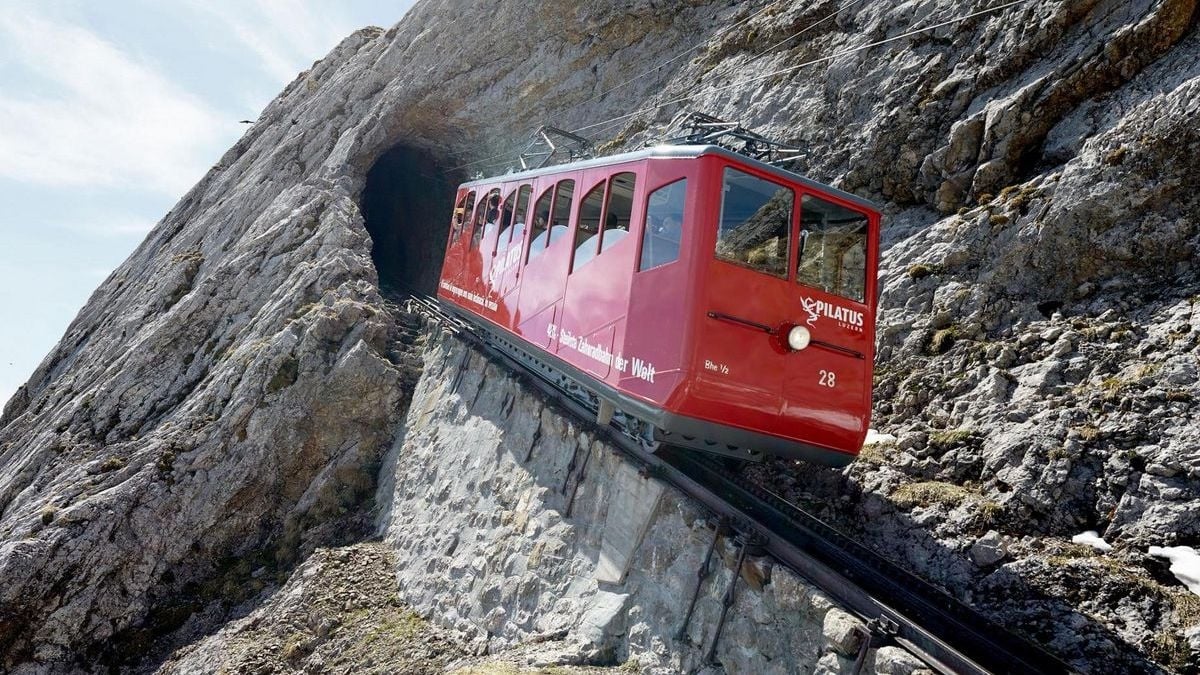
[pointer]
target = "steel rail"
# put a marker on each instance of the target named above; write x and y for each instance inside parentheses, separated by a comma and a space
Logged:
(897, 606)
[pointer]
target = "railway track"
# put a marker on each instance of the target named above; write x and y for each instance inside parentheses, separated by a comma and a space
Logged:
(897, 607)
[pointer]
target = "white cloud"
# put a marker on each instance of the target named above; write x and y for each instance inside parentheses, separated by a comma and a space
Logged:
(101, 117)
(285, 35)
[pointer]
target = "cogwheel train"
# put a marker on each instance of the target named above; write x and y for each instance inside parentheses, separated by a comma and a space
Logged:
(716, 301)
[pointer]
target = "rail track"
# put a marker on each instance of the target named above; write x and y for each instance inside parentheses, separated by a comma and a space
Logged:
(896, 606)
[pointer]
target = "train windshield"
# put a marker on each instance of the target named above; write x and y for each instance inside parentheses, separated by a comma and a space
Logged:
(832, 254)
(756, 223)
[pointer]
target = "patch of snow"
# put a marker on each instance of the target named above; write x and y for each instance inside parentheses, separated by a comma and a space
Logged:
(874, 437)
(1092, 538)
(1185, 564)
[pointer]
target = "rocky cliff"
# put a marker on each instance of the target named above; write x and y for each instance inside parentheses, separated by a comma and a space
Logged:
(233, 396)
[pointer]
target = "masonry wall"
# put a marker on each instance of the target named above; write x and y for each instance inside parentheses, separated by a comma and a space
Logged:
(511, 525)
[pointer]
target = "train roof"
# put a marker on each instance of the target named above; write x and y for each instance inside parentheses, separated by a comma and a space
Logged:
(675, 152)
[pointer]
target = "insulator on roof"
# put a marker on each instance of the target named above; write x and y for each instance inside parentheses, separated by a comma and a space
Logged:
(542, 148)
(702, 129)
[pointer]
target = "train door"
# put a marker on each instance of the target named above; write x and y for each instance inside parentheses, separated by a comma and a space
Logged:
(478, 255)
(656, 334)
(740, 362)
(510, 246)
(455, 259)
(487, 242)
(544, 274)
(601, 269)
(827, 389)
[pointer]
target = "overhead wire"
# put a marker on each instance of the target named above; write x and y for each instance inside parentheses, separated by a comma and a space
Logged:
(656, 68)
(793, 68)
(811, 26)
(678, 56)
(793, 36)
(804, 30)
(846, 52)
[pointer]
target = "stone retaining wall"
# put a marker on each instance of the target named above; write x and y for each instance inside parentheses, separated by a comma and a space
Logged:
(512, 525)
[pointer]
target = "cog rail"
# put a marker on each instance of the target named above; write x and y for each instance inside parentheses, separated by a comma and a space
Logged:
(897, 606)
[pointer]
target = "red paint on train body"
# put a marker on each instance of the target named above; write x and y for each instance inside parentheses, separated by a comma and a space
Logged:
(670, 280)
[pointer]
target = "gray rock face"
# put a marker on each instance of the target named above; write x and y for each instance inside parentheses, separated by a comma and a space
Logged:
(233, 384)
(336, 613)
(229, 392)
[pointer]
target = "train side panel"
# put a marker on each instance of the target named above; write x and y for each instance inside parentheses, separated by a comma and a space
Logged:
(547, 255)
(601, 270)
(658, 331)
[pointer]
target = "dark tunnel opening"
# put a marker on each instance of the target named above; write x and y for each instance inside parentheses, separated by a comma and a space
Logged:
(406, 206)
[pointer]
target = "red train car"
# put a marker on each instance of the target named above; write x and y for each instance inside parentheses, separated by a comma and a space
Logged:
(726, 302)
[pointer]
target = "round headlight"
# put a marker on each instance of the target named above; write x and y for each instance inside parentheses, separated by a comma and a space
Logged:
(798, 337)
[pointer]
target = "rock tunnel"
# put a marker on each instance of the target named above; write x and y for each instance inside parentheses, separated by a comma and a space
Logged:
(406, 205)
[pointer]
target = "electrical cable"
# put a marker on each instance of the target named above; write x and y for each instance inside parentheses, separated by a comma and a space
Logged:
(853, 50)
(804, 30)
(604, 93)
(678, 56)
(823, 59)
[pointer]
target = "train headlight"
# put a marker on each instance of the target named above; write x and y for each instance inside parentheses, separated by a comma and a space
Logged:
(798, 337)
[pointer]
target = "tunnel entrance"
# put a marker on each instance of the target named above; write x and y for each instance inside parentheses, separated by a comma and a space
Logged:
(406, 206)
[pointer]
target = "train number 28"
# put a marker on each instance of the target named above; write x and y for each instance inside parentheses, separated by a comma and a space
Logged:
(828, 378)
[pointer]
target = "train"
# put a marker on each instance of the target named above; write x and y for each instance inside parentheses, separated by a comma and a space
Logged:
(707, 299)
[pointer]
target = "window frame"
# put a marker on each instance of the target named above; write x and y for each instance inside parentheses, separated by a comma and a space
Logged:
(551, 192)
(524, 216)
(867, 243)
(467, 204)
(603, 184)
(645, 223)
(504, 231)
(608, 193)
(793, 233)
(479, 222)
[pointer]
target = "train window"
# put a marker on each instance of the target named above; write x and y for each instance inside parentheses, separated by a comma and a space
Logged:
(756, 223)
(587, 226)
(486, 215)
(506, 216)
(518, 229)
(562, 210)
(462, 212)
(664, 225)
(832, 253)
(538, 224)
(620, 208)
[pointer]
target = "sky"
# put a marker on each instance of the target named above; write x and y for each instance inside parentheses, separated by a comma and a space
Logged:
(109, 112)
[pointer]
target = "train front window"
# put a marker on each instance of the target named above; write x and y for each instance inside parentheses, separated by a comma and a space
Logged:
(756, 223)
(664, 225)
(832, 253)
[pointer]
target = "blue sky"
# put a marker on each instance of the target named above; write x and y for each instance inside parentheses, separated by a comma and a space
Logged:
(109, 112)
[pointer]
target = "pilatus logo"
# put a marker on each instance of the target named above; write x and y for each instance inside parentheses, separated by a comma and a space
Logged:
(846, 318)
(810, 306)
